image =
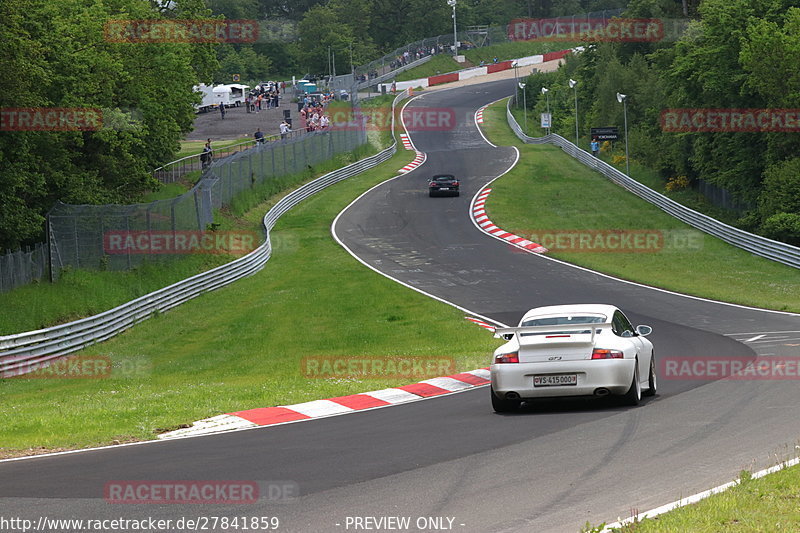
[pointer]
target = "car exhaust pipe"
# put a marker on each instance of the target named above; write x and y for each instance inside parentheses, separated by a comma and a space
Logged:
(512, 396)
(601, 391)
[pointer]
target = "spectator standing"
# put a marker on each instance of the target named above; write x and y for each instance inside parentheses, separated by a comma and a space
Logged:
(222, 110)
(595, 146)
(285, 129)
(259, 137)
(207, 156)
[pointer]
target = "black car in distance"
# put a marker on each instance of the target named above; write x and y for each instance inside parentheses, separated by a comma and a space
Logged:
(443, 184)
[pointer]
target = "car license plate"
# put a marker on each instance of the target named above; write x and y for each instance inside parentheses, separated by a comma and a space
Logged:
(444, 188)
(555, 380)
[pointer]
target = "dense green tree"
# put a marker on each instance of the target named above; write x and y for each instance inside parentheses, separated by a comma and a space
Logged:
(56, 55)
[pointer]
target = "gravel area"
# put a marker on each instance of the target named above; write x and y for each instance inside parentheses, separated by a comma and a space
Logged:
(239, 123)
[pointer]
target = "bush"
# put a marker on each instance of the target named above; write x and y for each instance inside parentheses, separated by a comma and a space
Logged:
(783, 227)
(781, 189)
(678, 183)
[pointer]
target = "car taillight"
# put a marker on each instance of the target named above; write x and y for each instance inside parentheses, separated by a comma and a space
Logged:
(600, 353)
(455, 183)
(512, 357)
(432, 184)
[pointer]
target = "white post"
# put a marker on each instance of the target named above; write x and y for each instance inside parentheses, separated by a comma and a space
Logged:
(455, 33)
(623, 99)
(546, 92)
(574, 85)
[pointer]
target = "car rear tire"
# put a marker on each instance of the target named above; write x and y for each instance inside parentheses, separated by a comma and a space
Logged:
(634, 394)
(651, 379)
(501, 405)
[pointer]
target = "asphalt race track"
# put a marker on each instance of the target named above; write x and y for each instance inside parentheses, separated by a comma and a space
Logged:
(551, 467)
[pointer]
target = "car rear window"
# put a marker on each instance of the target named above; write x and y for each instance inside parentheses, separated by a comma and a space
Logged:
(564, 320)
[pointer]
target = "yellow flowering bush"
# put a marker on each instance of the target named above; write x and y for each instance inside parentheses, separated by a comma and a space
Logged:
(677, 183)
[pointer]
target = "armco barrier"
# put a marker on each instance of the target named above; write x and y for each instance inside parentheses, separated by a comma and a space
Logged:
(497, 67)
(21, 352)
(443, 78)
(552, 56)
(755, 244)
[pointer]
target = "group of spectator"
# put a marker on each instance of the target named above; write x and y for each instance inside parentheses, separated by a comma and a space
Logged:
(266, 95)
(408, 56)
(314, 117)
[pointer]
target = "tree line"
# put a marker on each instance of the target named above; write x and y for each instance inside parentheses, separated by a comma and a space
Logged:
(734, 56)
(55, 55)
(298, 34)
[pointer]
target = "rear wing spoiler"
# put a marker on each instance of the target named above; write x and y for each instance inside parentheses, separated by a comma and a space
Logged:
(541, 332)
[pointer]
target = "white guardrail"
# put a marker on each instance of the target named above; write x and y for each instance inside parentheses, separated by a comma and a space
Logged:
(755, 244)
(24, 352)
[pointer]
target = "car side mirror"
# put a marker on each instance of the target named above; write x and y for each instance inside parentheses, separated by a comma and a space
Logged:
(644, 331)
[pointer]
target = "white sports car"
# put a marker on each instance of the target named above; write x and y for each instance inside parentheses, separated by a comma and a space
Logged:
(572, 350)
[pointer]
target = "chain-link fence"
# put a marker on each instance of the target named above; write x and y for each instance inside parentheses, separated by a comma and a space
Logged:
(106, 236)
(23, 266)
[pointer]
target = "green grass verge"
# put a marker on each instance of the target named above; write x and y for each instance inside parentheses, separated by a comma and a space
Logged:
(515, 50)
(643, 174)
(195, 147)
(767, 505)
(167, 191)
(550, 192)
(440, 64)
(242, 346)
